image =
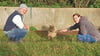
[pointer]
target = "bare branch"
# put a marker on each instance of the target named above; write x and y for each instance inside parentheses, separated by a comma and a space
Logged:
(87, 3)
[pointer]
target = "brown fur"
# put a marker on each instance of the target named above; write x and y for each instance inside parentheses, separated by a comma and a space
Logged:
(52, 32)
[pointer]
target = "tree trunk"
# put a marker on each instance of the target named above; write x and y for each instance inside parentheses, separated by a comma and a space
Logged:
(15, 1)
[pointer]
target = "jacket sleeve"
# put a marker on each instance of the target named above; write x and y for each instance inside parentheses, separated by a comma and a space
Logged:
(75, 26)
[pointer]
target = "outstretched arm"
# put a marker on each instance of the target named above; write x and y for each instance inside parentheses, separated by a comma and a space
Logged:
(70, 28)
(75, 26)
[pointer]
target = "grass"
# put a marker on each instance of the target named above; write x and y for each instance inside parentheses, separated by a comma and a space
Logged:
(37, 44)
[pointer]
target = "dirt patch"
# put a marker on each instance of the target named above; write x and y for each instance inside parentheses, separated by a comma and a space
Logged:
(60, 36)
(44, 33)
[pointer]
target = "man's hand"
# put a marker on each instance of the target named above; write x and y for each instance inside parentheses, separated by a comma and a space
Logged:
(64, 30)
(26, 27)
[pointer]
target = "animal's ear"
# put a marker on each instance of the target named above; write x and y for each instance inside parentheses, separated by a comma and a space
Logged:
(50, 24)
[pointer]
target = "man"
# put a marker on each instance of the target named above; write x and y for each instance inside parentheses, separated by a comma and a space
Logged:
(14, 28)
(87, 31)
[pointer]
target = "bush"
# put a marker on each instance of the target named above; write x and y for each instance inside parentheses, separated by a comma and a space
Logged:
(4, 3)
(52, 3)
(96, 4)
(32, 28)
(56, 5)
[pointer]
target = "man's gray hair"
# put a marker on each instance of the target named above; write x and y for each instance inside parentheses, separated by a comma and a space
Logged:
(23, 6)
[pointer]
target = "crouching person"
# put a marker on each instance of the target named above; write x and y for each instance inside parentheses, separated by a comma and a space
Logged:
(87, 31)
(14, 28)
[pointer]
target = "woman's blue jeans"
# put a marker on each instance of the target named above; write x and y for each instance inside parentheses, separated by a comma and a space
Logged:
(86, 38)
(16, 34)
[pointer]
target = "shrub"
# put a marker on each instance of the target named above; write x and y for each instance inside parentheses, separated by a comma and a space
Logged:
(32, 28)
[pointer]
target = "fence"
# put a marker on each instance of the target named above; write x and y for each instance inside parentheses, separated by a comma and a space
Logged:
(41, 18)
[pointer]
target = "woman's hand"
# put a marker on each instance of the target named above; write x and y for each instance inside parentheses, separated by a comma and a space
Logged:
(64, 30)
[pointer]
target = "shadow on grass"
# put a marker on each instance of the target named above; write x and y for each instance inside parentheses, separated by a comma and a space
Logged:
(3, 37)
(42, 34)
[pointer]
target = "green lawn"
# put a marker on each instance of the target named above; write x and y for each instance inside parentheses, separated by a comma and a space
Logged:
(37, 44)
